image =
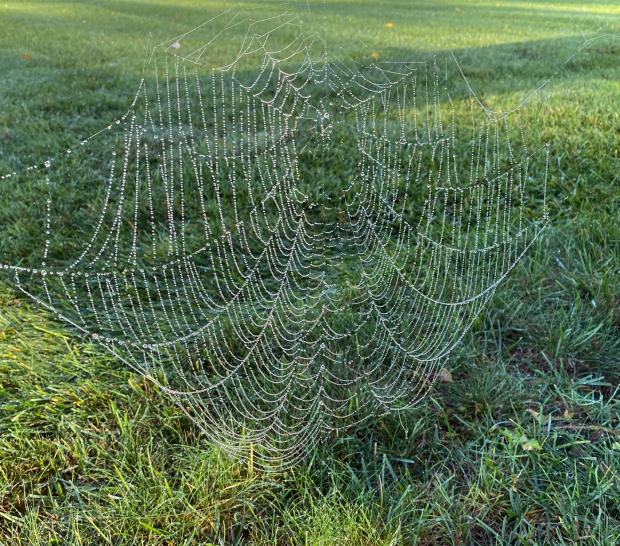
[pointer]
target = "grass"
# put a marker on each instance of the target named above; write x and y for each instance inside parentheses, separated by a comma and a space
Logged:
(522, 447)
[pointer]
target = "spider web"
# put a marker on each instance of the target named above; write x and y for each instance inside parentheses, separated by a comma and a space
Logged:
(287, 251)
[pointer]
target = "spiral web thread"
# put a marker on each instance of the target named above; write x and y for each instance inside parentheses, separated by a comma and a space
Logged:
(292, 250)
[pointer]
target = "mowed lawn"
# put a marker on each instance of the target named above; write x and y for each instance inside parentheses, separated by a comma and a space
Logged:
(521, 446)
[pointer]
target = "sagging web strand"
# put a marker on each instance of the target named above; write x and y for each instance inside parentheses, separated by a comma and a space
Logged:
(275, 295)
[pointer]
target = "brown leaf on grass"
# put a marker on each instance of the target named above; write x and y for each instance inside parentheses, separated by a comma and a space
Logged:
(533, 413)
(26, 57)
(445, 376)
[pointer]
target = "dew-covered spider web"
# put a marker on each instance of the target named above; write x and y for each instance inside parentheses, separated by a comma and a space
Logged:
(289, 243)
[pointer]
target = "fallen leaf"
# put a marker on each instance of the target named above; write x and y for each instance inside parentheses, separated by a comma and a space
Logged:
(530, 445)
(533, 413)
(389, 24)
(26, 57)
(445, 376)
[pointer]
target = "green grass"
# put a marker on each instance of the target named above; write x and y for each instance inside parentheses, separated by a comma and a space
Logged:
(523, 447)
